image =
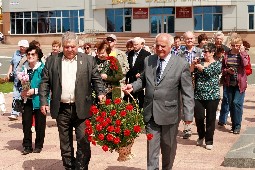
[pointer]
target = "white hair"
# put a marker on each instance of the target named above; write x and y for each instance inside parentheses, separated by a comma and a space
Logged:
(137, 40)
(219, 34)
(188, 32)
(171, 38)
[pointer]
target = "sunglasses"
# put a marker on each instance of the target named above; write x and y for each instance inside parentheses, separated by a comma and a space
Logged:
(87, 48)
(30, 54)
(110, 39)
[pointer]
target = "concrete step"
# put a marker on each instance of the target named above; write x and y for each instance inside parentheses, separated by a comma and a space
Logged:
(242, 153)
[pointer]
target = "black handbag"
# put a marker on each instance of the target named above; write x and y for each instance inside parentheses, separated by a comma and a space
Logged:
(11, 77)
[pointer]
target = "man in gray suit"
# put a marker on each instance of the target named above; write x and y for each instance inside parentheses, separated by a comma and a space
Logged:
(70, 77)
(165, 76)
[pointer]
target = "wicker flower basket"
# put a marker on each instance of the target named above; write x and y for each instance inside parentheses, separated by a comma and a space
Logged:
(125, 152)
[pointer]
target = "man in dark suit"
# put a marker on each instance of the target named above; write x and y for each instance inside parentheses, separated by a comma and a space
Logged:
(70, 77)
(165, 77)
(136, 66)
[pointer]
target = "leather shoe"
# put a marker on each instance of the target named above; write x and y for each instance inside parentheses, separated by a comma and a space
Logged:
(27, 150)
(37, 150)
(236, 131)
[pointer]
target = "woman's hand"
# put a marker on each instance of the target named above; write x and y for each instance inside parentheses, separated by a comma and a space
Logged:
(27, 93)
(104, 76)
(231, 70)
(199, 67)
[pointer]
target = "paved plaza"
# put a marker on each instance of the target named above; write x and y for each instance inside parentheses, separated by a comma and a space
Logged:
(189, 156)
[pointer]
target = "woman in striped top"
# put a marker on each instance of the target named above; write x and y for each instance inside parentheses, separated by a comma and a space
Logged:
(235, 80)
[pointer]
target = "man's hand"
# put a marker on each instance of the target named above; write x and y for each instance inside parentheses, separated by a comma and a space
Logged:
(137, 75)
(187, 122)
(101, 97)
(104, 76)
(45, 109)
(127, 88)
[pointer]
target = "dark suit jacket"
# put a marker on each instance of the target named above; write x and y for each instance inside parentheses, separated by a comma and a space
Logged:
(138, 66)
(87, 76)
(162, 100)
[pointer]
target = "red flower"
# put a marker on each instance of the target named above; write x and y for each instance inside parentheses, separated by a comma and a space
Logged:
(105, 148)
(149, 136)
(98, 119)
(123, 113)
(99, 127)
(103, 114)
(108, 120)
(117, 130)
(137, 129)
(90, 138)
(104, 123)
(94, 142)
(109, 137)
(87, 123)
(110, 128)
(107, 101)
(94, 109)
(101, 136)
(88, 130)
(116, 140)
(118, 122)
(117, 101)
(126, 132)
(129, 107)
(113, 112)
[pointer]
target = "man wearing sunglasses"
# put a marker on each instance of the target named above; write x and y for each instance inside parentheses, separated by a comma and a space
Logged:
(120, 55)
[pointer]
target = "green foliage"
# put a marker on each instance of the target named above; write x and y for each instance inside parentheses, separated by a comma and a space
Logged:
(6, 87)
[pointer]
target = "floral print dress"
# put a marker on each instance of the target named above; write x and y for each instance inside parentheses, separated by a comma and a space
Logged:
(207, 82)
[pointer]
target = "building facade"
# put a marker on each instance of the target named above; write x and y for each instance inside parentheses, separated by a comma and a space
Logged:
(47, 18)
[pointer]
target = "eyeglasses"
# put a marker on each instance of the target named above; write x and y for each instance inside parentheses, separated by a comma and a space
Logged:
(236, 45)
(110, 39)
(206, 51)
(30, 54)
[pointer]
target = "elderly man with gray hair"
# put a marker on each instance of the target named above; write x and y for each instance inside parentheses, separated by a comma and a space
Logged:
(136, 64)
(164, 78)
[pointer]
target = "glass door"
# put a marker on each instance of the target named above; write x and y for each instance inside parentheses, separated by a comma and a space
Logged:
(155, 23)
(161, 24)
(127, 24)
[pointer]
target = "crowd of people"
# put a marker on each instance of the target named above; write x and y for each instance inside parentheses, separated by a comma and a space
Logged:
(171, 83)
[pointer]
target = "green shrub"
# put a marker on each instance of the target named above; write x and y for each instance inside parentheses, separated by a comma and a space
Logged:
(6, 87)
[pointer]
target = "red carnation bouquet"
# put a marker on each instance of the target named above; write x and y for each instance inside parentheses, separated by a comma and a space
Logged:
(114, 124)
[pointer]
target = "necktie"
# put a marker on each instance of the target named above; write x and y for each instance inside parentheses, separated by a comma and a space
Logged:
(159, 70)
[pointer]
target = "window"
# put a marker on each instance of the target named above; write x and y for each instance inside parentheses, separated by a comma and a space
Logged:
(251, 16)
(41, 22)
(208, 18)
(118, 20)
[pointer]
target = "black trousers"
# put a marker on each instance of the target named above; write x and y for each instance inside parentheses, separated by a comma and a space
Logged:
(206, 131)
(67, 120)
(40, 124)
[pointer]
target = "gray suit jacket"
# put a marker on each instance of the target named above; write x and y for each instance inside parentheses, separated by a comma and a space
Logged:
(162, 100)
(87, 76)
